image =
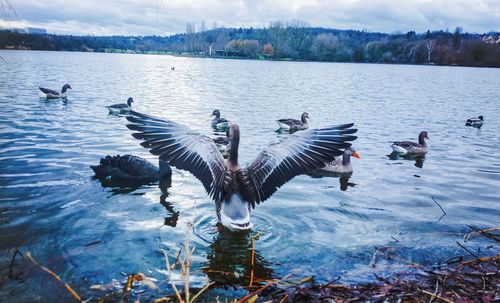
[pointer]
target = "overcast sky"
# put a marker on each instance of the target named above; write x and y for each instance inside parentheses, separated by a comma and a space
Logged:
(165, 17)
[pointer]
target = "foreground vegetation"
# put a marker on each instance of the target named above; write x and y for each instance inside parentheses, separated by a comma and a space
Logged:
(287, 41)
(470, 276)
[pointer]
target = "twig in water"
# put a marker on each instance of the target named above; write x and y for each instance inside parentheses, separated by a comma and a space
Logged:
(130, 280)
(444, 213)
(53, 274)
(177, 258)
(93, 243)
(11, 275)
(470, 252)
(395, 239)
(284, 298)
(479, 260)
(258, 291)
(253, 257)
(185, 266)
(435, 295)
(201, 291)
(484, 232)
(435, 291)
(169, 271)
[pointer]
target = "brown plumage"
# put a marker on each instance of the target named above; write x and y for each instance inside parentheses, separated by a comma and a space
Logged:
(235, 188)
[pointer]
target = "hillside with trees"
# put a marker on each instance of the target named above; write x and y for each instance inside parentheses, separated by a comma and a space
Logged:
(287, 41)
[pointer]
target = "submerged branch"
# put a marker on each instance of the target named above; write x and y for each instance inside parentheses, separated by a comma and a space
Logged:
(444, 213)
(53, 274)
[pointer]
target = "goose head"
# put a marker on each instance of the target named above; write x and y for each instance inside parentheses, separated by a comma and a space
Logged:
(481, 118)
(65, 88)
(129, 101)
(216, 113)
(351, 152)
(348, 153)
(422, 136)
(305, 117)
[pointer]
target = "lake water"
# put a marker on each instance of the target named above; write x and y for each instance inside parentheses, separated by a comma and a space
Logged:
(88, 232)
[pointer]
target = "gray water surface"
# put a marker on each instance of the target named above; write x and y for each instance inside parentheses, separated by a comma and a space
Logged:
(88, 231)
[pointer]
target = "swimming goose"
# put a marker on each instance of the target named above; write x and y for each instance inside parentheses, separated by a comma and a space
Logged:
(128, 167)
(121, 108)
(293, 124)
(407, 147)
(219, 123)
(475, 122)
(52, 94)
(234, 188)
(342, 164)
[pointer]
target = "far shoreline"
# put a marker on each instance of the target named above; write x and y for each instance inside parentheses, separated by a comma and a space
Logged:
(128, 52)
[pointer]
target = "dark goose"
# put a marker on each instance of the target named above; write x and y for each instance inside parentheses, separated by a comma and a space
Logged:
(408, 147)
(219, 123)
(128, 167)
(121, 108)
(475, 122)
(294, 124)
(342, 164)
(234, 188)
(52, 94)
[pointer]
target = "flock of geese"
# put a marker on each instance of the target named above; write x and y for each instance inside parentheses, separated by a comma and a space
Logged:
(235, 188)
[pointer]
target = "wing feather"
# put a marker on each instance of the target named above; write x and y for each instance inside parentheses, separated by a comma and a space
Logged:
(48, 91)
(181, 148)
(298, 154)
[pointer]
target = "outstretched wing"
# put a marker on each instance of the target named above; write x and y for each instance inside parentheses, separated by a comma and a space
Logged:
(181, 148)
(296, 155)
(48, 91)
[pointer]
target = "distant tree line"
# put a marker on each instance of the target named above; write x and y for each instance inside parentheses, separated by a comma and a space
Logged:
(288, 41)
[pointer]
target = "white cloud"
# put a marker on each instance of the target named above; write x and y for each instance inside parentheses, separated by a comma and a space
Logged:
(161, 17)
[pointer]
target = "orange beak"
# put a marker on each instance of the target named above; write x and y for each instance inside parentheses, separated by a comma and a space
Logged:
(357, 155)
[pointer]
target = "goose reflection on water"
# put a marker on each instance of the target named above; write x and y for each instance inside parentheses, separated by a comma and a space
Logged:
(419, 159)
(174, 215)
(229, 260)
(119, 187)
(343, 178)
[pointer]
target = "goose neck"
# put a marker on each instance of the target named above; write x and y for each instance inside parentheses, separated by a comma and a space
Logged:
(234, 143)
(421, 140)
(346, 159)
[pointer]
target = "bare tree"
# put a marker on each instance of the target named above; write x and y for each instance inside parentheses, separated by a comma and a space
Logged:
(429, 43)
(7, 11)
(190, 35)
(203, 27)
(457, 39)
(324, 46)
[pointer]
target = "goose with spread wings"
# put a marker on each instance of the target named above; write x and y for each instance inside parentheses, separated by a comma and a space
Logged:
(235, 188)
